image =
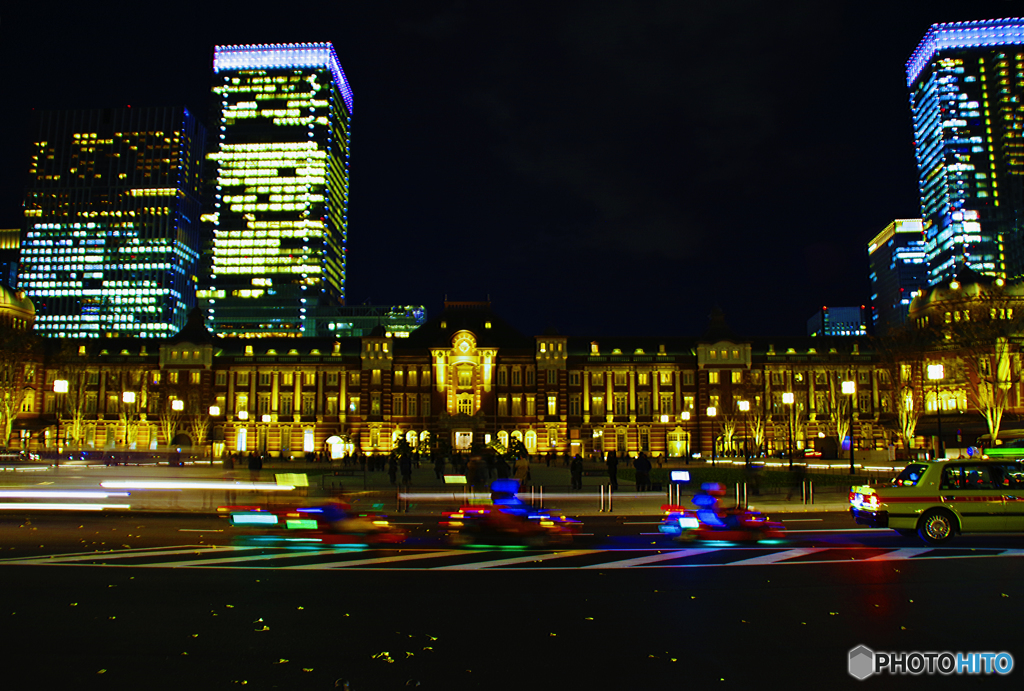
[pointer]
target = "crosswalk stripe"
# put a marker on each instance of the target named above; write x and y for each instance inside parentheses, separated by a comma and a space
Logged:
(209, 556)
(511, 561)
(254, 557)
(897, 554)
(650, 559)
(377, 561)
(776, 557)
(119, 554)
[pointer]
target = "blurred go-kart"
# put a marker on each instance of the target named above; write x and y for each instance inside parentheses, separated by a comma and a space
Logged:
(508, 520)
(710, 522)
(331, 523)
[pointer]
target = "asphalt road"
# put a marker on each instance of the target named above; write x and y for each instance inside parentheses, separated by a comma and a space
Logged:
(180, 602)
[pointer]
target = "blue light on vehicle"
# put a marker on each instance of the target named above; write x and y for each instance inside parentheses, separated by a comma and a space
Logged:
(253, 519)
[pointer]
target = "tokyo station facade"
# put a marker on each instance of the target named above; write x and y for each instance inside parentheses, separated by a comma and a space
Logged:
(462, 380)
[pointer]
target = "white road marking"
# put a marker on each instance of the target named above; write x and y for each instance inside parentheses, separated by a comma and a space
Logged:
(649, 559)
(119, 554)
(778, 556)
(514, 560)
(379, 560)
(898, 554)
(254, 557)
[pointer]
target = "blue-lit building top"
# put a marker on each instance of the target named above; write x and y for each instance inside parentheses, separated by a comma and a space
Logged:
(966, 82)
(111, 240)
(278, 190)
(898, 271)
(838, 321)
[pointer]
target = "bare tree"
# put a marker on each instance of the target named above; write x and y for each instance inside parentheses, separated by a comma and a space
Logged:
(901, 353)
(17, 350)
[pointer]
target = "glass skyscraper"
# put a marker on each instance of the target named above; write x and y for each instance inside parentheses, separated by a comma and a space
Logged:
(966, 82)
(278, 176)
(897, 270)
(111, 240)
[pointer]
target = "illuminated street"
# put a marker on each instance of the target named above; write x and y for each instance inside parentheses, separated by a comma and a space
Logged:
(169, 598)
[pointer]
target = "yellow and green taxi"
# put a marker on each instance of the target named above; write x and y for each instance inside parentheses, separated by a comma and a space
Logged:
(936, 500)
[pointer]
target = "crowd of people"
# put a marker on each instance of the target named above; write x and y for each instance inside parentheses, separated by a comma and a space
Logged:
(478, 468)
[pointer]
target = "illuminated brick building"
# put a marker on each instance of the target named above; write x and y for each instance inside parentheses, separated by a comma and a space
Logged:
(466, 378)
(277, 215)
(111, 238)
(966, 82)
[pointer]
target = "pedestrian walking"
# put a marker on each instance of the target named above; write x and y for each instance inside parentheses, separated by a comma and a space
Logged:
(393, 468)
(642, 465)
(405, 463)
(576, 472)
(613, 470)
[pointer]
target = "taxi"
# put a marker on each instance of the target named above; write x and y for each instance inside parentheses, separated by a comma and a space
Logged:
(937, 500)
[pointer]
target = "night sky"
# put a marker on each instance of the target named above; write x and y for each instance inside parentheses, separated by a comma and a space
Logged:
(602, 168)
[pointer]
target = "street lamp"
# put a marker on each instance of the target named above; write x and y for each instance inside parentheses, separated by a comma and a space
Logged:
(787, 400)
(712, 412)
(936, 373)
(128, 397)
(686, 430)
(744, 407)
(60, 388)
(214, 412)
(850, 388)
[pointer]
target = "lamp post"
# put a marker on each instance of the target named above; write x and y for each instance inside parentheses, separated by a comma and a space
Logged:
(60, 389)
(936, 373)
(850, 388)
(787, 400)
(686, 430)
(128, 397)
(712, 412)
(214, 412)
(744, 407)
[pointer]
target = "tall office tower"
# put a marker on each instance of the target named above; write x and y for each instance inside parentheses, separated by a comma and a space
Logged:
(898, 270)
(838, 321)
(278, 204)
(966, 83)
(111, 240)
(10, 250)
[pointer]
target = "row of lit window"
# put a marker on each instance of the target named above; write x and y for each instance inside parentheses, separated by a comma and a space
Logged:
(303, 233)
(269, 207)
(266, 146)
(263, 268)
(227, 181)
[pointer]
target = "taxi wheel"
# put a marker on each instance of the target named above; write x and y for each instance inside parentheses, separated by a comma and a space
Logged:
(936, 527)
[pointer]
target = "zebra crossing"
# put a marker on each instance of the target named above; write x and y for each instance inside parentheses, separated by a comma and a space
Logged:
(490, 559)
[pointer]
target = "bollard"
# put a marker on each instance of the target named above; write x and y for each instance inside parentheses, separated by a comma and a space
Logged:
(744, 495)
(609, 498)
(601, 510)
(541, 500)
(737, 494)
(803, 492)
(810, 490)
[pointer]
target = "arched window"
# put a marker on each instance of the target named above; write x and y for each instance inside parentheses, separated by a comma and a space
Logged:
(531, 441)
(503, 439)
